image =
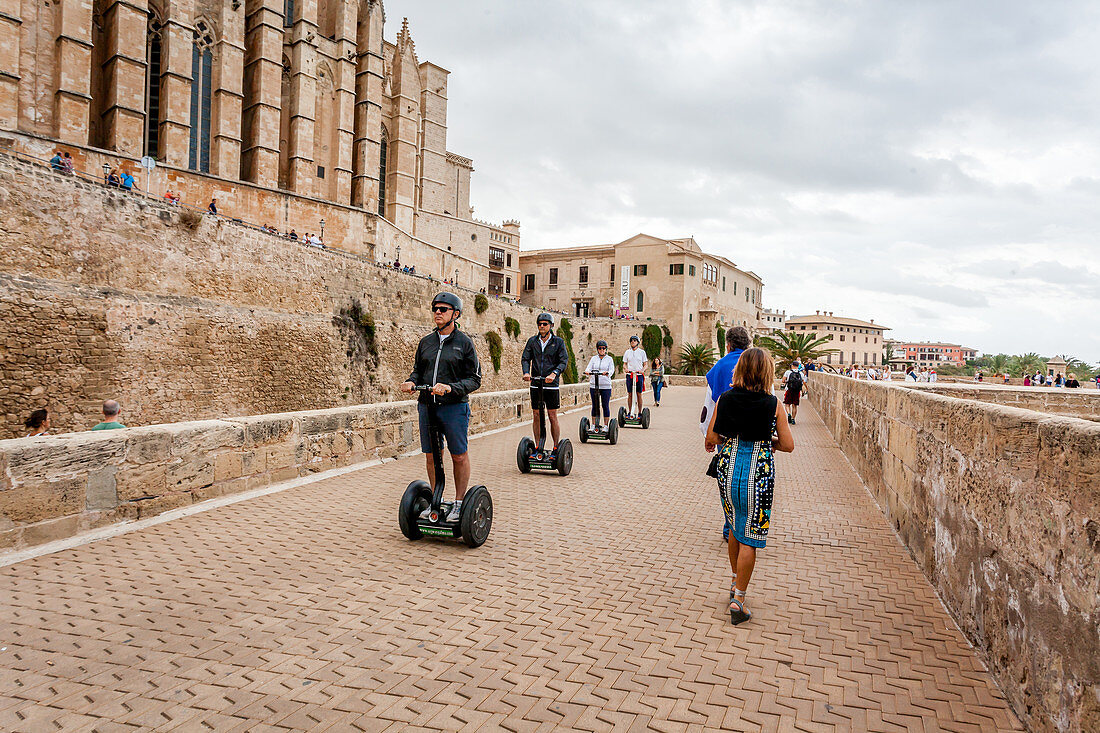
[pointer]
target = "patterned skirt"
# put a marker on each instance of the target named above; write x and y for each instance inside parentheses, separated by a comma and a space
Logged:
(746, 480)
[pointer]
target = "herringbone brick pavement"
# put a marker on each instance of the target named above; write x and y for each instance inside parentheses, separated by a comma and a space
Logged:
(597, 604)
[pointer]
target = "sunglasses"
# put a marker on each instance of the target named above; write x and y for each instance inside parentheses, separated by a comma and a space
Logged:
(441, 309)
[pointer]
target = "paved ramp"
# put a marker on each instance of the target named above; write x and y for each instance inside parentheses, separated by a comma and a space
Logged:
(598, 603)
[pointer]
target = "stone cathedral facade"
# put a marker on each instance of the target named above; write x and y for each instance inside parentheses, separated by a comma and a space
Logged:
(304, 99)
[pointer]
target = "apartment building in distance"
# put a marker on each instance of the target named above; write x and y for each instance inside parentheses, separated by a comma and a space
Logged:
(856, 341)
(930, 354)
(772, 321)
(671, 280)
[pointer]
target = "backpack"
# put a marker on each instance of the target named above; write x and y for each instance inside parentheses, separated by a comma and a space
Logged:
(794, 381)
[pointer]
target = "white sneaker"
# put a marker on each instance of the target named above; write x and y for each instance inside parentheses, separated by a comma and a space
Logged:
(455, 513)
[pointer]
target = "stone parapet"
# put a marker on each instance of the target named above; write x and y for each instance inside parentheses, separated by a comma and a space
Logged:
(1082, 402)
(1000, 506)
(57, 486)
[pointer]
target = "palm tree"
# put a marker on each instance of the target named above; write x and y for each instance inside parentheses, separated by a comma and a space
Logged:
(1076, 366)
(697, 359)
(786, 346)
(1027, 364)
(889, 352)
(998, 364)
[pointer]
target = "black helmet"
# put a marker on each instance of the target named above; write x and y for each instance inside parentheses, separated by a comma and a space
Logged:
(545, 317)
(448, 299)
(635, 338)
(601, 344)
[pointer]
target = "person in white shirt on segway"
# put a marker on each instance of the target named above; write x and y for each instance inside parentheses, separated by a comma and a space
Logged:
(634, 364)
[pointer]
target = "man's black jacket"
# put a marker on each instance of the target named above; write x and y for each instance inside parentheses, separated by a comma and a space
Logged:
(539, 362)
(455, 364)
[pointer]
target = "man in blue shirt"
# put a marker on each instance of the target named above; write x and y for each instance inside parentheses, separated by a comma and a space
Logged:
(718, 381)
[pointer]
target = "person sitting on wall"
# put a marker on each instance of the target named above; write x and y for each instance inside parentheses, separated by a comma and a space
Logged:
(127, 181)
(67, 163)
(292, 235)
(57, 162)
(171, 197)
(113, 179)
(212, 207)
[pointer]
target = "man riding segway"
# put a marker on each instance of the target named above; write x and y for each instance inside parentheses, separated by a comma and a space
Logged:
(446, 360)
(634, 364)
(545, 358)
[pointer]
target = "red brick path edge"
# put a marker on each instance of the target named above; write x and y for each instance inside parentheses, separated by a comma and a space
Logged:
(598, 603)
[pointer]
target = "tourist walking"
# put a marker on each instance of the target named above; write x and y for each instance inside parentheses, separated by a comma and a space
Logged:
(38, 423)
(793, 387)
(657, 379)
(744, 420)
(1072, 382)
(719, 378)
(212, 207)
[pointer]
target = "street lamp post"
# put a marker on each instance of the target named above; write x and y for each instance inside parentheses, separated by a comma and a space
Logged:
(399, 253)
(456, 276)
(322, 229)
(106, 172)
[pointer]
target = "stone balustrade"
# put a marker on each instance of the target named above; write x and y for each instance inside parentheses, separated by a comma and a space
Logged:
(54, 487)
(1080, 402)
(1000, 506)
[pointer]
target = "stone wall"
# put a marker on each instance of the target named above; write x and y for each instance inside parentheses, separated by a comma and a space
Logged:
(1082, 403)
(1001, 508)
(186, 317)
(56, 486)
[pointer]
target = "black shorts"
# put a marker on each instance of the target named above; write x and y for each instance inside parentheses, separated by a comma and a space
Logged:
(552, 397)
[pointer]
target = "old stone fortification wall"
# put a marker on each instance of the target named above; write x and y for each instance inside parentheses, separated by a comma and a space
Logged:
(185, 317)
(1001, 508)
(1083, 403)
(56, 486)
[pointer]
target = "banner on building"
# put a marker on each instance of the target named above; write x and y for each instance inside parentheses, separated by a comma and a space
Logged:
(624, 287)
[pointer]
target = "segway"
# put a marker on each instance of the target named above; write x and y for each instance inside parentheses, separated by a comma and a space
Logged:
(642, 420)
(530, 456)
(610, 434)
(423, 510)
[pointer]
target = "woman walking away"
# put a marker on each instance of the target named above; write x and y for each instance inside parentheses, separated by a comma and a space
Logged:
(657, 379)
(743, 423)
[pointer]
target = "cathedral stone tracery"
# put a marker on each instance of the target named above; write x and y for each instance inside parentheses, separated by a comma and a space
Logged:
(304, 97)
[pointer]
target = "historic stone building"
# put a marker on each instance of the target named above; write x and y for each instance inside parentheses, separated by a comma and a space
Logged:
(290, 111)
(671, 280)
(856, 341)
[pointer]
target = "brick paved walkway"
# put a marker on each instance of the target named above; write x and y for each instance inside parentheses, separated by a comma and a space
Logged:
(597, 604)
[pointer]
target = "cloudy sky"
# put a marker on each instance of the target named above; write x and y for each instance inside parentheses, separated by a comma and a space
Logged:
(932, 165)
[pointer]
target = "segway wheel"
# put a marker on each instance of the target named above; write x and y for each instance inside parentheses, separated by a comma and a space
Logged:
(584, 429)
(613, 431)
(477, 516)
(622, 415)
(645, 418)
(523, 454)
(565, 457)
(417, 498)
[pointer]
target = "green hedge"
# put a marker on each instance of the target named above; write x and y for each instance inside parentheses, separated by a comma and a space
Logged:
(496, 349)
(565, 330)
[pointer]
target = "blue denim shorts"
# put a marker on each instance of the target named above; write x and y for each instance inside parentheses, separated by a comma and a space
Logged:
(455, 421)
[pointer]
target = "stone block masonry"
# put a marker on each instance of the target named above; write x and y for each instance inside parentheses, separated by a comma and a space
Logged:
(1081, 402)
(54, 487)
(1000, 507)
(186, 317)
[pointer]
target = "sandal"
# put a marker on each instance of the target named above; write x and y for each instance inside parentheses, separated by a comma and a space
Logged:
(738, 614)
(733, 587)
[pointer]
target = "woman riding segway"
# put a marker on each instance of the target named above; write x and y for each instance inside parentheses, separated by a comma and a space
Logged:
(600, 370)
(445, 371)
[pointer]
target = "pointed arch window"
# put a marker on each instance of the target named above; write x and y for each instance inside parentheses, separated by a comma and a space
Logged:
(382, 153)
(202, 66)
(153, 46)
(640, 302)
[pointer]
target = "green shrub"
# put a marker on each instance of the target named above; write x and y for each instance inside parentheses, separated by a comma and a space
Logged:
(496, 349)
(721, 334)
(481, 303)
(618, 363)
(511, 327)
(565, 330)
(651, 341)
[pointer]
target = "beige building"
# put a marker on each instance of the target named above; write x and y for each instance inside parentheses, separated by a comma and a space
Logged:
(857, 342)
(671, 280)
(291, 111)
